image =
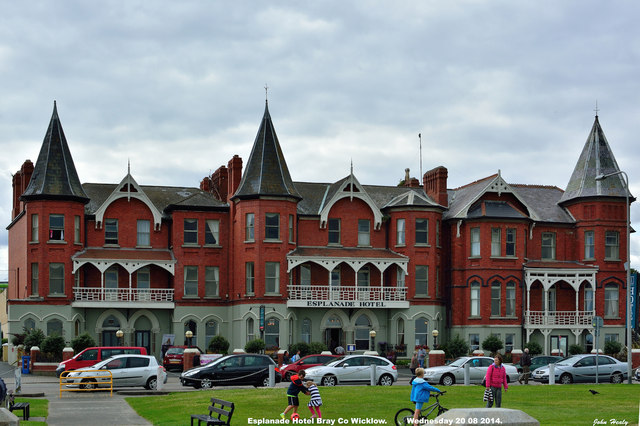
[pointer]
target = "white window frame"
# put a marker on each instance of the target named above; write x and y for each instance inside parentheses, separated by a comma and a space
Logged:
(496, 242)
(612, 245)
(474, 294)
(333, 228)
(190, 234)
(400, 232)
(548, 246)
(143, 233)
(211, 281)
(422, 280)
(190, 281)
(212, 232)
(272, 277)
(364, 235)
(589, 245)
(422, 232)
(250, 227)
(474, 237)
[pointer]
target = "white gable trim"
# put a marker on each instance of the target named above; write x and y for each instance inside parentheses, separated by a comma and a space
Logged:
(346, 191)
(138, 194)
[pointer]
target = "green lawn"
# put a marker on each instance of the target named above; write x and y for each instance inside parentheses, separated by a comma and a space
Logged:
(551, 405)
(37, 408)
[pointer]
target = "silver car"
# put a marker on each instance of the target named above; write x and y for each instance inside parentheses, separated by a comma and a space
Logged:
(126, 370)
(353, 369)
(582, 368)
(453, 373)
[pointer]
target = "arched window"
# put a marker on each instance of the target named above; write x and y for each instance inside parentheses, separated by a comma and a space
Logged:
(611, 300)
(191, 326)
(54, 327)
(306, 330)
(333, 322)
(29, 324)
(272, 333)
(363, 326)
(211, 329)
(422, 325)
(400, 332)
(496, 290)
(250, 333)
(475, 299)
(109, 327)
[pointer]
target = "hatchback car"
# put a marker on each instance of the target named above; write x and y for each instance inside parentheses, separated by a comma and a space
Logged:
(237, 369)
(173, 358)
(126, 370)
(304, 363)
(539, 361)
(582, 368)
(353, 369)
(453, 373)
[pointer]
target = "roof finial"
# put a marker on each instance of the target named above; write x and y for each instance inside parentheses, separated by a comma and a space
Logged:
(596, 110)
(266, 92)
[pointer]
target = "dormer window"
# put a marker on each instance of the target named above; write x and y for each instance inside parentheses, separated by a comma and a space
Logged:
(111, 231)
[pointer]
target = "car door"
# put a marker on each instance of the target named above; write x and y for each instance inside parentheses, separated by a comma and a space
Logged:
(605, 368)
(137, 371)
(227, 371)
(350, 370)
(477, 369)
(117, 367)
(585, 370)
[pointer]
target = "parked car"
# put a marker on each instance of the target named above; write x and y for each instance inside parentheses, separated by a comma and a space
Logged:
(453, 373)
(237, 369)
(582, 368)
(539, 361)
(353, 369)
(174, 357)
(93, 355)
(637, 375)
(126, 370)
(304, 363)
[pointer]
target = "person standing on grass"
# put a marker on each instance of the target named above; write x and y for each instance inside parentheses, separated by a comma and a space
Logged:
(420, 392)
(495, 379)
(525, 363)
(295, 388)
(315, 401)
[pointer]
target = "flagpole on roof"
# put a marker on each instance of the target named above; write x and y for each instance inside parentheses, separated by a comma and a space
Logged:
(420, 138)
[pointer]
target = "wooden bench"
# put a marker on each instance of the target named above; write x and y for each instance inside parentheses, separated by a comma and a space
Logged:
(220, 413)
(24, 406)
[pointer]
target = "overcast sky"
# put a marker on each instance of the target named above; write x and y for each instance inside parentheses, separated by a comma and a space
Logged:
(178, 88)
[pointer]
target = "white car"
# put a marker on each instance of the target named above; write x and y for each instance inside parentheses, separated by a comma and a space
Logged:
(582, 368)
(126, 370)
(453, 373)
(353, 369)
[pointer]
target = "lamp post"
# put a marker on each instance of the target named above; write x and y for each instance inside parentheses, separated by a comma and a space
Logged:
(372, 335)
(188, 334)
(435, 333)
(628, 267)
(119, 335)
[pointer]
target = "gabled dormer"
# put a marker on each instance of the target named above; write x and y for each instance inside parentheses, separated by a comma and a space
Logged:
(128, 188)
(54, 175)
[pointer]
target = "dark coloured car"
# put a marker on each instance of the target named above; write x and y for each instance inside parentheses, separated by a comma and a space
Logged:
(231, 370)
(304, 363)
(173, 358)
(539, 361)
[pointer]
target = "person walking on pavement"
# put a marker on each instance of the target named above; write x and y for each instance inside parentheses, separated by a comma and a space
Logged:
(525, 363)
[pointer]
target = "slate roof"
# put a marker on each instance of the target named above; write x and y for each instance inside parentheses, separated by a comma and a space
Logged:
(596, 159)
(164, 198)
(266, 172)
(54, 175)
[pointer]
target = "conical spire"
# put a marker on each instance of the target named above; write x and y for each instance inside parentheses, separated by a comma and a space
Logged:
(596, 159)
(54, 175)
(266, 172)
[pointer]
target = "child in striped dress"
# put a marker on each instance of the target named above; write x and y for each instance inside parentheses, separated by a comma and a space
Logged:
(315, 401)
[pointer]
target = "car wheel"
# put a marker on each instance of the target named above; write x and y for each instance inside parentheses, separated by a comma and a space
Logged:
(88, 384)
(206, 383)
(566, 379)
(152, 383)
(288, 376)
(616, 378)
(385, 380)
(328, 381)
(448, 380)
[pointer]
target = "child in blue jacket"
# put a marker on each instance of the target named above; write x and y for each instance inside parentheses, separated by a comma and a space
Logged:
(420, 392)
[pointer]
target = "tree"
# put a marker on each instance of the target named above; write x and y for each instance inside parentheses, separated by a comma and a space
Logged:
(534, 348)
(576, 349)
(82, 342)
(219, 345)
(492, 344)
(52, 347)
(34, 337)
(456, 348)
(254, 346)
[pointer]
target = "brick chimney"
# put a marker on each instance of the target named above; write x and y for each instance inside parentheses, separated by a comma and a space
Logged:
(409, 181)
(20, 182)
(235, 174)
(220, 183)
(435, 185)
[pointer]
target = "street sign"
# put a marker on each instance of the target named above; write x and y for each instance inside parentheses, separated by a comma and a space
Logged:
(598, 322)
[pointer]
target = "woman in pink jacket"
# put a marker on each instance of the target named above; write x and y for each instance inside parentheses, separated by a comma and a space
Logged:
(496, 378)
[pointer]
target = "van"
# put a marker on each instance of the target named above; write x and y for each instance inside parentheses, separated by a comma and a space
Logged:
(94, 355)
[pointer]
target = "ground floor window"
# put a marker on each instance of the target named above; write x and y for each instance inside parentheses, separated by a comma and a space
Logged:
(422, 324)
(363, 326)
(250, 333)
(211, 330)
(272, 333)
(474, 342)
(306, 330)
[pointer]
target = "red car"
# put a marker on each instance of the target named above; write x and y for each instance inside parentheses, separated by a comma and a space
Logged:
(173, 357)
(304, 363)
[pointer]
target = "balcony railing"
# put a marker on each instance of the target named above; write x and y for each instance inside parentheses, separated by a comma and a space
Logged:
(558, 318)
(99, 294)
(347, 296)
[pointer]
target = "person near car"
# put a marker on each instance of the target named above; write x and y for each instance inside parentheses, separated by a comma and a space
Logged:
(295, 388)
(496, 378)
(422, 354)
(420, 392)
(296, 357)
(285, 358)
(414, 363)
(315, 400)
(525, 363)
(339, 350)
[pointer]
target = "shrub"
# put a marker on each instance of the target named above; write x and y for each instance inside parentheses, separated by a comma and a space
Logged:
(52, 347)
(219, 345)
(82, 342)
(456, 348)
(300, 346)
(4, 340)
(34, 337)
(576, 349)
(254, 346)
(18, 339)
(612, 348)
(492, 344)
(317, 347)
(534, 348)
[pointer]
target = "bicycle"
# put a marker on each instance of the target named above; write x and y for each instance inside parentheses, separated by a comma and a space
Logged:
(404, 416)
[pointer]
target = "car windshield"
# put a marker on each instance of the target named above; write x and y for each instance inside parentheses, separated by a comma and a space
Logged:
(175, 351)
(458, 362)
(333, 360)
(568, 360)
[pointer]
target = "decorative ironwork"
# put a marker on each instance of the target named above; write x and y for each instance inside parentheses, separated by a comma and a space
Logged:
(558, 318)
(99, 294)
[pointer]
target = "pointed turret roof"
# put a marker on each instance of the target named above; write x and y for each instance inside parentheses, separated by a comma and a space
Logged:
(54, 175)
(266, 172)
(596, 159)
